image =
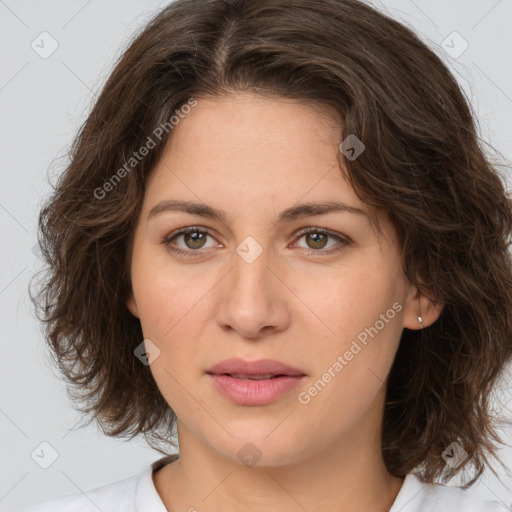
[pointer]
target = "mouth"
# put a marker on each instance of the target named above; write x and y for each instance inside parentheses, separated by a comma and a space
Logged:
(254, 383)
(260, 369)
(252, 390)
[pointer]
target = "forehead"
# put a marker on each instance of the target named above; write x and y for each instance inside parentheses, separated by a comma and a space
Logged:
(245, 149)
(244, 138)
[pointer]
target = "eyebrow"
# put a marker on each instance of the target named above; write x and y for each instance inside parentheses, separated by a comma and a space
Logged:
(292, 213)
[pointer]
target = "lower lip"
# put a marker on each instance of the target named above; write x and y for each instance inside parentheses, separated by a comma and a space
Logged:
(255, 392)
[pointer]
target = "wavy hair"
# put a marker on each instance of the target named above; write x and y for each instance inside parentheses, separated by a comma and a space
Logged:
(424, 164)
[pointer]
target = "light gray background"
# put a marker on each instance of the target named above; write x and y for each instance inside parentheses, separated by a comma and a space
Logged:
(42, 103)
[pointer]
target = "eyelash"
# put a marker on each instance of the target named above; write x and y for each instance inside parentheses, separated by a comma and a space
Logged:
(197, 253)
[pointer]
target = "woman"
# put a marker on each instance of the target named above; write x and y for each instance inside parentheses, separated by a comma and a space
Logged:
(278, 233)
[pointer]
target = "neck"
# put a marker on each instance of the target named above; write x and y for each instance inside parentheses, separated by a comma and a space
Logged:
(350, 476)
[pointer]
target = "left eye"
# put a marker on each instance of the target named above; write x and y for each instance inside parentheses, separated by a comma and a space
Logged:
(318, 238)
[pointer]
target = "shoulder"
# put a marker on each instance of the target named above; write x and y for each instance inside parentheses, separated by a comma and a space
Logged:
(108, 498)
(416, 496)
(129, 495)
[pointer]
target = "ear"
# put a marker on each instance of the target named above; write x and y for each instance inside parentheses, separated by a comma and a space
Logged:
(419, 304)
(132, 305)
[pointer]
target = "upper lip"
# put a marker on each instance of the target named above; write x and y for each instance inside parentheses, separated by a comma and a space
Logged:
(256, 367)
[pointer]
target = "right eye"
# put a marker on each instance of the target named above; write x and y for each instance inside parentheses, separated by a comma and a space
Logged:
(193, 237)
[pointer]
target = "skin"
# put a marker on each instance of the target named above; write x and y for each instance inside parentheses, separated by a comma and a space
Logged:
(253, 157)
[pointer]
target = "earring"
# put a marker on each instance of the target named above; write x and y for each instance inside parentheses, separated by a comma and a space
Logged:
(420, 319)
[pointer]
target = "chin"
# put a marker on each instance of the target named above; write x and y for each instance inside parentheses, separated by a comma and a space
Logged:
(261, 451)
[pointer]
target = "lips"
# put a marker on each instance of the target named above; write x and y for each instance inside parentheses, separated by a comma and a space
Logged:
(257, 369)
(254, 383)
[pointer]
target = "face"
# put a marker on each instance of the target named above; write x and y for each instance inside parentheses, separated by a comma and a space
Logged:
(320, 292)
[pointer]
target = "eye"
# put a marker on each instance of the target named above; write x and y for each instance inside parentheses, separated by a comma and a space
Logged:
(317, 240)
(193, 237)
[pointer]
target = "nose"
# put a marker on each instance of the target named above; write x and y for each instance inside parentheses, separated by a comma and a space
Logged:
(254, 301)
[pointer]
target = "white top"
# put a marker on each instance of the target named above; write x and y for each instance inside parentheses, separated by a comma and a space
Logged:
(138, 494)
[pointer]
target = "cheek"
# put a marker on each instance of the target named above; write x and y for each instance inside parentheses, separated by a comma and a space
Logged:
(166, 297)
(346, 300)
(171, 308)
(361, 321)
(174, 309)
(351, 376)
(369, 324)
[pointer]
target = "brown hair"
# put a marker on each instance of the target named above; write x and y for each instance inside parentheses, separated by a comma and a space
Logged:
(423, 163)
